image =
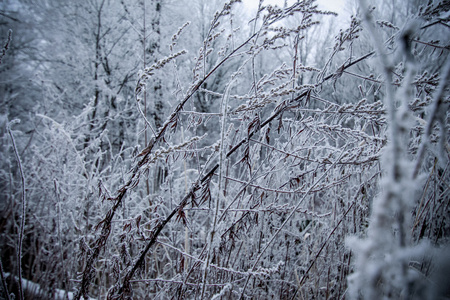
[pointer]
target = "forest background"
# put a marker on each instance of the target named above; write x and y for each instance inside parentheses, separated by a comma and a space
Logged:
(171, 149)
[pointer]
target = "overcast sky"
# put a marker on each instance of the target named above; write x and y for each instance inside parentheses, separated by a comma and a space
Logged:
(332, 5)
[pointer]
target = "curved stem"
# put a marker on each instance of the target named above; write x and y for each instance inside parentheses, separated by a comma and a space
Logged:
(22, 222)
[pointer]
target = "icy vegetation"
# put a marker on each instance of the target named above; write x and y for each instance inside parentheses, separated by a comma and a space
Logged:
(188, 150)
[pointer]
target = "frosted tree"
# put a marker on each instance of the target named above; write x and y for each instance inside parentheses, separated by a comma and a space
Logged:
(390, 260)
(74, 71)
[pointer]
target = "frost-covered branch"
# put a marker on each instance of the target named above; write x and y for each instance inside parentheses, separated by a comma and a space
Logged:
(23, 212)
(437, 113)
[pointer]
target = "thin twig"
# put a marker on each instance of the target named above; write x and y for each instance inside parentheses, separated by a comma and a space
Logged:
(6, 46)
(4, 285)
(224, 110)
(435, 114)
(22, 222)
